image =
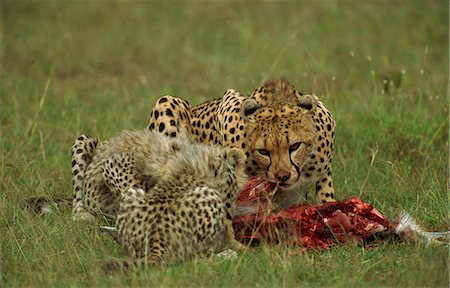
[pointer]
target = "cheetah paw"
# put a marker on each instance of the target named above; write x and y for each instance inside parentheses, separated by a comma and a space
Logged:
(84, 216)
(238, 246)
(226, 255)
(112, 266)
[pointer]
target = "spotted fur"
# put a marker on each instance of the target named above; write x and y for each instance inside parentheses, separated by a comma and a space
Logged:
(277, 114)
(95, 167)
(188, 212)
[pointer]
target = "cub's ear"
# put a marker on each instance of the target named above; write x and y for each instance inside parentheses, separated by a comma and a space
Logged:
(249, 107)
(235, 156)
(308, 104)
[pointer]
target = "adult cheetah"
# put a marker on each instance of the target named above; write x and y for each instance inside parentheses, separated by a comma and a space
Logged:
(287, 136)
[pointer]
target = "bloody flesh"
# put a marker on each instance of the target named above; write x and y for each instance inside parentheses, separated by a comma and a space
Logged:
(309, 226)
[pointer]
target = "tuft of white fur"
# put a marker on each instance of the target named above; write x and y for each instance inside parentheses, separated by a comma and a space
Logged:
(407, 224)
(408, 227)
(47, 209)
(226, 255)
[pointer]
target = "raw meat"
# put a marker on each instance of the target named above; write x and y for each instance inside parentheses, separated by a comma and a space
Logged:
(308, 226)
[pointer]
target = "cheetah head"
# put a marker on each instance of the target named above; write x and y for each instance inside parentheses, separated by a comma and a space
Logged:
(280, 138)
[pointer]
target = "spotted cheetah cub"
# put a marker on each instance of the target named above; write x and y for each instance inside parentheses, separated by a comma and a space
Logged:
(188, 211)
(96, 165)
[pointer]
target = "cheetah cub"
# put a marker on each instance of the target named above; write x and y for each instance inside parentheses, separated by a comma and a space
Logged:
(96, 165)
(188, 212)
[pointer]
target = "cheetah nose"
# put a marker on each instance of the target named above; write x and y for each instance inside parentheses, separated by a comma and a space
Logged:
(282, 175)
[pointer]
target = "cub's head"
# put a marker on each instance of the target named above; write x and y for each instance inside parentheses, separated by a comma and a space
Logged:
(280, 138)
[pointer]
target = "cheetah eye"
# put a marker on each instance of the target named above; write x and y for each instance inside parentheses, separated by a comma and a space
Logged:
(295, 146)
(264, 152)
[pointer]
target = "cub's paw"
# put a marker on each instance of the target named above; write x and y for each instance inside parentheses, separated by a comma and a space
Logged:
(116, 265)
(226, 255)
(84, 217)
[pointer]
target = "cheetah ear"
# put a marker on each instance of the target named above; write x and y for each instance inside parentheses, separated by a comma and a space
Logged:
(235, 156)
(249, 107)
(308, 104)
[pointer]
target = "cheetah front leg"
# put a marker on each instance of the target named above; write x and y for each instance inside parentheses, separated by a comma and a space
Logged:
(171, 116)
(97, 197)
(324, 189)
(231, 238)
(82, 152)
(153, 249)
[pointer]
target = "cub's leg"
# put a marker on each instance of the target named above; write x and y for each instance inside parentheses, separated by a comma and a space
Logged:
(170, 116)
(96, 196)
(82, 152)
(141, 247)
(230, 237)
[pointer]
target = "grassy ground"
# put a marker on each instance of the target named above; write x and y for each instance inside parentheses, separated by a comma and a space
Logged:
(73, 67)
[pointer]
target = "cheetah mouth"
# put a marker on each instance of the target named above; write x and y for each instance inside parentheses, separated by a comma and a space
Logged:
(286, 186)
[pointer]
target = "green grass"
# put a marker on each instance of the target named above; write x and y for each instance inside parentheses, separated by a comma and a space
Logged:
(73, 67)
